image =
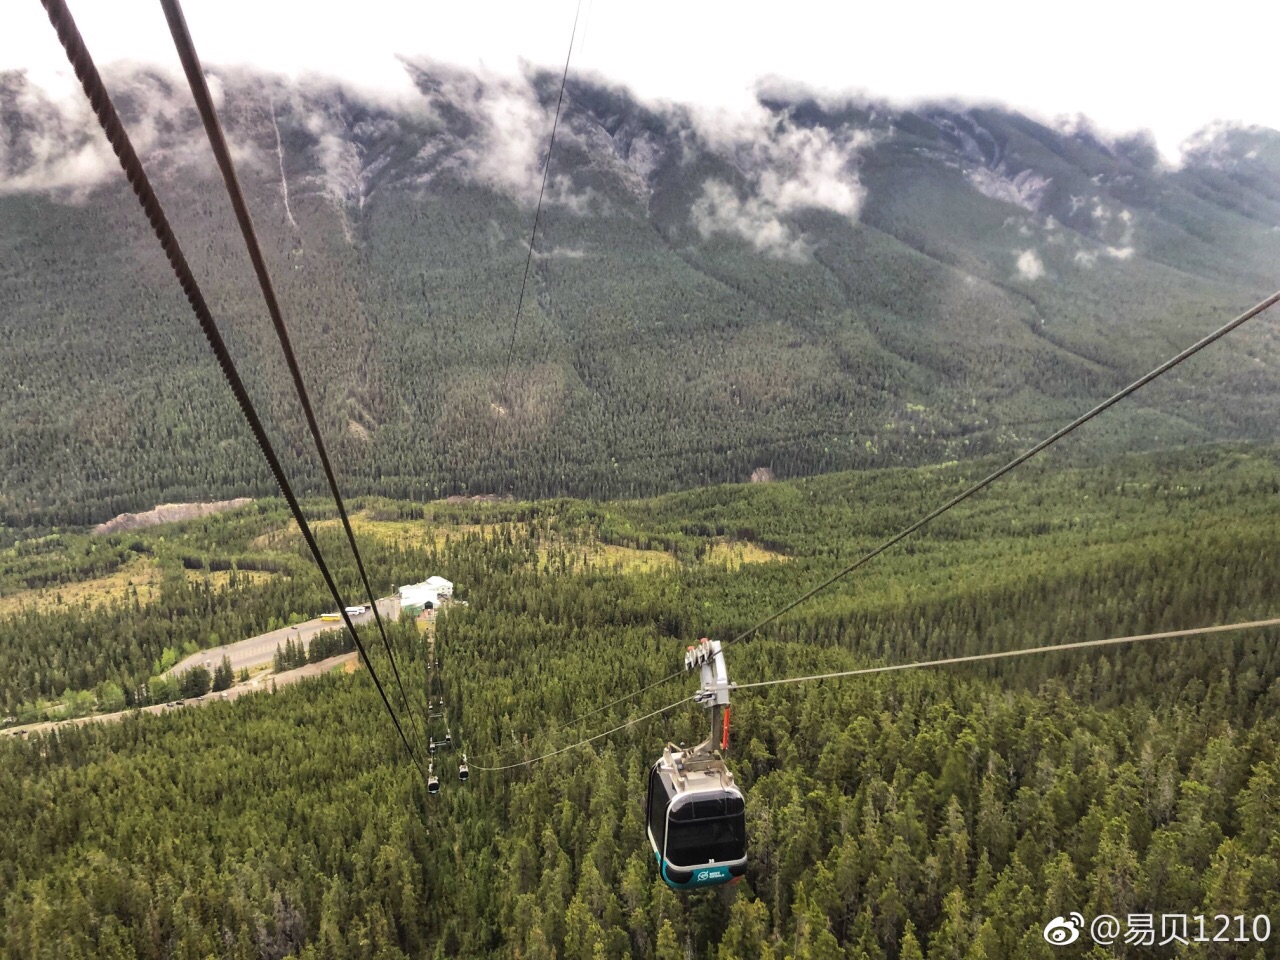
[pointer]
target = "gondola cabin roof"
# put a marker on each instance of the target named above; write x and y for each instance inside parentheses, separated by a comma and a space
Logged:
(687, 777)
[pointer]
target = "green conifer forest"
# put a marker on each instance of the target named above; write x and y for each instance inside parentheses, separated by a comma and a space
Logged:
(934, 814)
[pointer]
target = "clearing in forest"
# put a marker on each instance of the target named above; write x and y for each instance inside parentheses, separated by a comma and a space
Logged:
(405, 533)
(735, 553)
(139, 574)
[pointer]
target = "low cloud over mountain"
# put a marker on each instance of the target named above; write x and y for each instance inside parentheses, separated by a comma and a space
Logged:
(830, 282)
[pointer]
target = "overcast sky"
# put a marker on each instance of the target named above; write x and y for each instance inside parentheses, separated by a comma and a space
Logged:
(1167, 68)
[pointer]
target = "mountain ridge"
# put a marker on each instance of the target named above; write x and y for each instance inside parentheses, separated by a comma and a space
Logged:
(806, 287)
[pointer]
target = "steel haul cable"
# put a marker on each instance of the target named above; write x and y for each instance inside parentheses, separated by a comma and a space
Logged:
(87, 73)
(915, 665)
(582, 743)
(213, 128)
(1022, 458)
(1024, 652)
(537, 213)
(982, 484)
(533, 233)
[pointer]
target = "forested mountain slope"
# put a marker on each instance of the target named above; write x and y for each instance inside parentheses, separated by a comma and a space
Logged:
(944, 814)
(814, 286)
(80, 610)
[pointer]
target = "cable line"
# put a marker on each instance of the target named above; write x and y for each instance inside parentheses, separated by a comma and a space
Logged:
(582, 743)
(611, 703)
(917, 665)
(96, 92)
(537, 213)
(1004, 654)
(1022, 458)
(217, 140)
(975, 488)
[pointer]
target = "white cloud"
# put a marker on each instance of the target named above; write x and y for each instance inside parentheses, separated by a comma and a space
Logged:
(1115, 230)
(1088, 258)
(786, 168)
(564, 253)
(1030, 266)
(338, 157)
(508, 127)
(514, 135)
(998, 55)
(57, 146)
(490, 128)
(59, 167)
(57, 149)
(719, 210)
(507, 133)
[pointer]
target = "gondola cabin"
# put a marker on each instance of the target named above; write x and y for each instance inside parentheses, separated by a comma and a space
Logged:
(697, 821)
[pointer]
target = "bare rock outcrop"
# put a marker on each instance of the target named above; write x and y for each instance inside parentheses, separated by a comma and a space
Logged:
(167, 513)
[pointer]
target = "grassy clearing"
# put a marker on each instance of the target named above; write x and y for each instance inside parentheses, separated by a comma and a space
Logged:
(144, 574)
(735, 553)
(596, 555)
(141, 574)
(220, 578)
(629, 559)
(407, 533)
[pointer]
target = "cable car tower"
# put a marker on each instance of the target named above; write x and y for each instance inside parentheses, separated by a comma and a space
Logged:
(695, 812)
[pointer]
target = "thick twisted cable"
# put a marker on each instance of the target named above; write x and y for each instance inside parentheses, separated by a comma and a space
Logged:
(217, 140)
(87, 73)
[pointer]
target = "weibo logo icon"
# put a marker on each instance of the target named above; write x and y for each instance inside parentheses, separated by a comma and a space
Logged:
(1063, 931)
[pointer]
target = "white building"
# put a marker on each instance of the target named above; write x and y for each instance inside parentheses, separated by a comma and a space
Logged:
(416, 597)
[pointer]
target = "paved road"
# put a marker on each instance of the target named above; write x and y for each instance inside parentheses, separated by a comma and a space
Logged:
(258, 650)
(256, 685)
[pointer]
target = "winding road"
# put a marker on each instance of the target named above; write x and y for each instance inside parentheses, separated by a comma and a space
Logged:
(259, 650)
(256, 685)
(244, 654)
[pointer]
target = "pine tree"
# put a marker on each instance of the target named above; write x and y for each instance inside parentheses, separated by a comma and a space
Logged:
(744, 939)
(223, 676)
(910, 945)
(668, 946)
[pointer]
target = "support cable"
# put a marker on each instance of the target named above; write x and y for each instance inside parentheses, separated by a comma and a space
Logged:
(95, 90)
(537, 214)
(582, 743)
(1022, 458)
(982, 484)
(917, 665)
(1025, 652)
(217, 140)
